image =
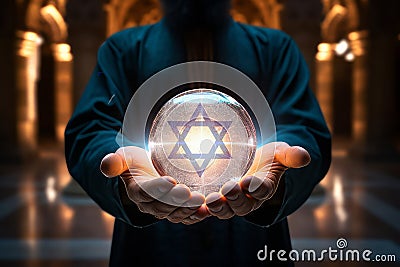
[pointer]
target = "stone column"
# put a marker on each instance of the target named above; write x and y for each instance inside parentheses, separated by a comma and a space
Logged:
(373, 94)
(325, 80)
(359, 46)
(27, 74)
(112, 18)
(63, 88)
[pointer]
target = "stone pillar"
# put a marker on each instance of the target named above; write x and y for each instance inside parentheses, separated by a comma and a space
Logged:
(63, 88)
(373, 94)
(359, 46)
(27, 74)
(112, 18)
(325, 80)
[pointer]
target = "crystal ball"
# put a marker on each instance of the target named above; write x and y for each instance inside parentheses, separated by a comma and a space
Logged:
(202, 138)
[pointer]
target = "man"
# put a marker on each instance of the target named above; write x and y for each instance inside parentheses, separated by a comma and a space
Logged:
(229, 227)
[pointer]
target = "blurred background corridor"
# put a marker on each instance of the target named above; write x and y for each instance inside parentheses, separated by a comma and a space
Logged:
(48, 52)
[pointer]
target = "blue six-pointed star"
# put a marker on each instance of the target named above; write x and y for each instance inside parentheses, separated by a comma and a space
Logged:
(199, 118)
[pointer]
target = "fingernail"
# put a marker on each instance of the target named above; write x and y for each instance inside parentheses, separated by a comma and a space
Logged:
(219, 210)
(228, 187)
(254, 184)
(232, 198)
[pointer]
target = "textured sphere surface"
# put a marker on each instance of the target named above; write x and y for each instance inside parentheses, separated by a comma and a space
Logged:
(202, 138)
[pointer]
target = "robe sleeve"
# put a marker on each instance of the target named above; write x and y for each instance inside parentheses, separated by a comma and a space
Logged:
(92, 130)
(299, 122)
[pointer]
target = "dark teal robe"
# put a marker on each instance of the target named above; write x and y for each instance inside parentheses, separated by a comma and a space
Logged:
(126, 59)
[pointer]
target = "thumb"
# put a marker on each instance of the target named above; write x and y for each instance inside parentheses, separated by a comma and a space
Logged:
(113, 165)
(292, 156)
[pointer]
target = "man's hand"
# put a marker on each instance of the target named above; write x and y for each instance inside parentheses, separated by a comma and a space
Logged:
(149, 191)
(259, 183)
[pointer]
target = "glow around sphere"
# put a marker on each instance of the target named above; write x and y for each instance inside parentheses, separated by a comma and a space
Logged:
(202, 138)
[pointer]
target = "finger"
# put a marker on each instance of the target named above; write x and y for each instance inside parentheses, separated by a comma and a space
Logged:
(195, 201)
(258, 188)
(218, 206)
(198, 216)
(113, 165)
(262, 159)
(178, 195)
(292, 156)
(188, 208)
(180, 214)
(137, 160)
(237, 199)
(135, 192)
(159, 209)
(156, 187)
(148, 190)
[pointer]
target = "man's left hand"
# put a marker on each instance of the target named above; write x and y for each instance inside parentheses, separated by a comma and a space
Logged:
(259, 183)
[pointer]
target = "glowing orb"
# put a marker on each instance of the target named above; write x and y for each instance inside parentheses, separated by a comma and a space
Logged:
(202, 138)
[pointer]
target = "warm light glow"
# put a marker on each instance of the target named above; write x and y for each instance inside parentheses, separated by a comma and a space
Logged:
(29, 48)
(63, 175)
(28, 70)
(338, 199)
(51, 192)
(349, 57)
(62, 52)
(324, 47)
(51, 10)
(324, 52)
(339, 9)
(63, 48)
(107, 216)
(358, 35)
(67, 214)
(319, 214)
(340, 152)
(342, 47)
(51, 15)
(108, 221)
(31, 36)
(31, 216)
(29, 43)
(358, 42)
(359, 125)
(200, 140)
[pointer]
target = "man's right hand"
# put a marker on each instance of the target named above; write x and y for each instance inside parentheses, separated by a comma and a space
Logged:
(162, 196)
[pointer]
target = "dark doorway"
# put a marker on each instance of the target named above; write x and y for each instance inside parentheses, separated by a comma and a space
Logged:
(342, 97)
(45, 95)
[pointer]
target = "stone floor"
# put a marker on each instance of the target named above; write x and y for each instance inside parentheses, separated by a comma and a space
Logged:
(41, 225)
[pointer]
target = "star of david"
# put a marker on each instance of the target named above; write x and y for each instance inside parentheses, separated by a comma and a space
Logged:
(195, 120)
